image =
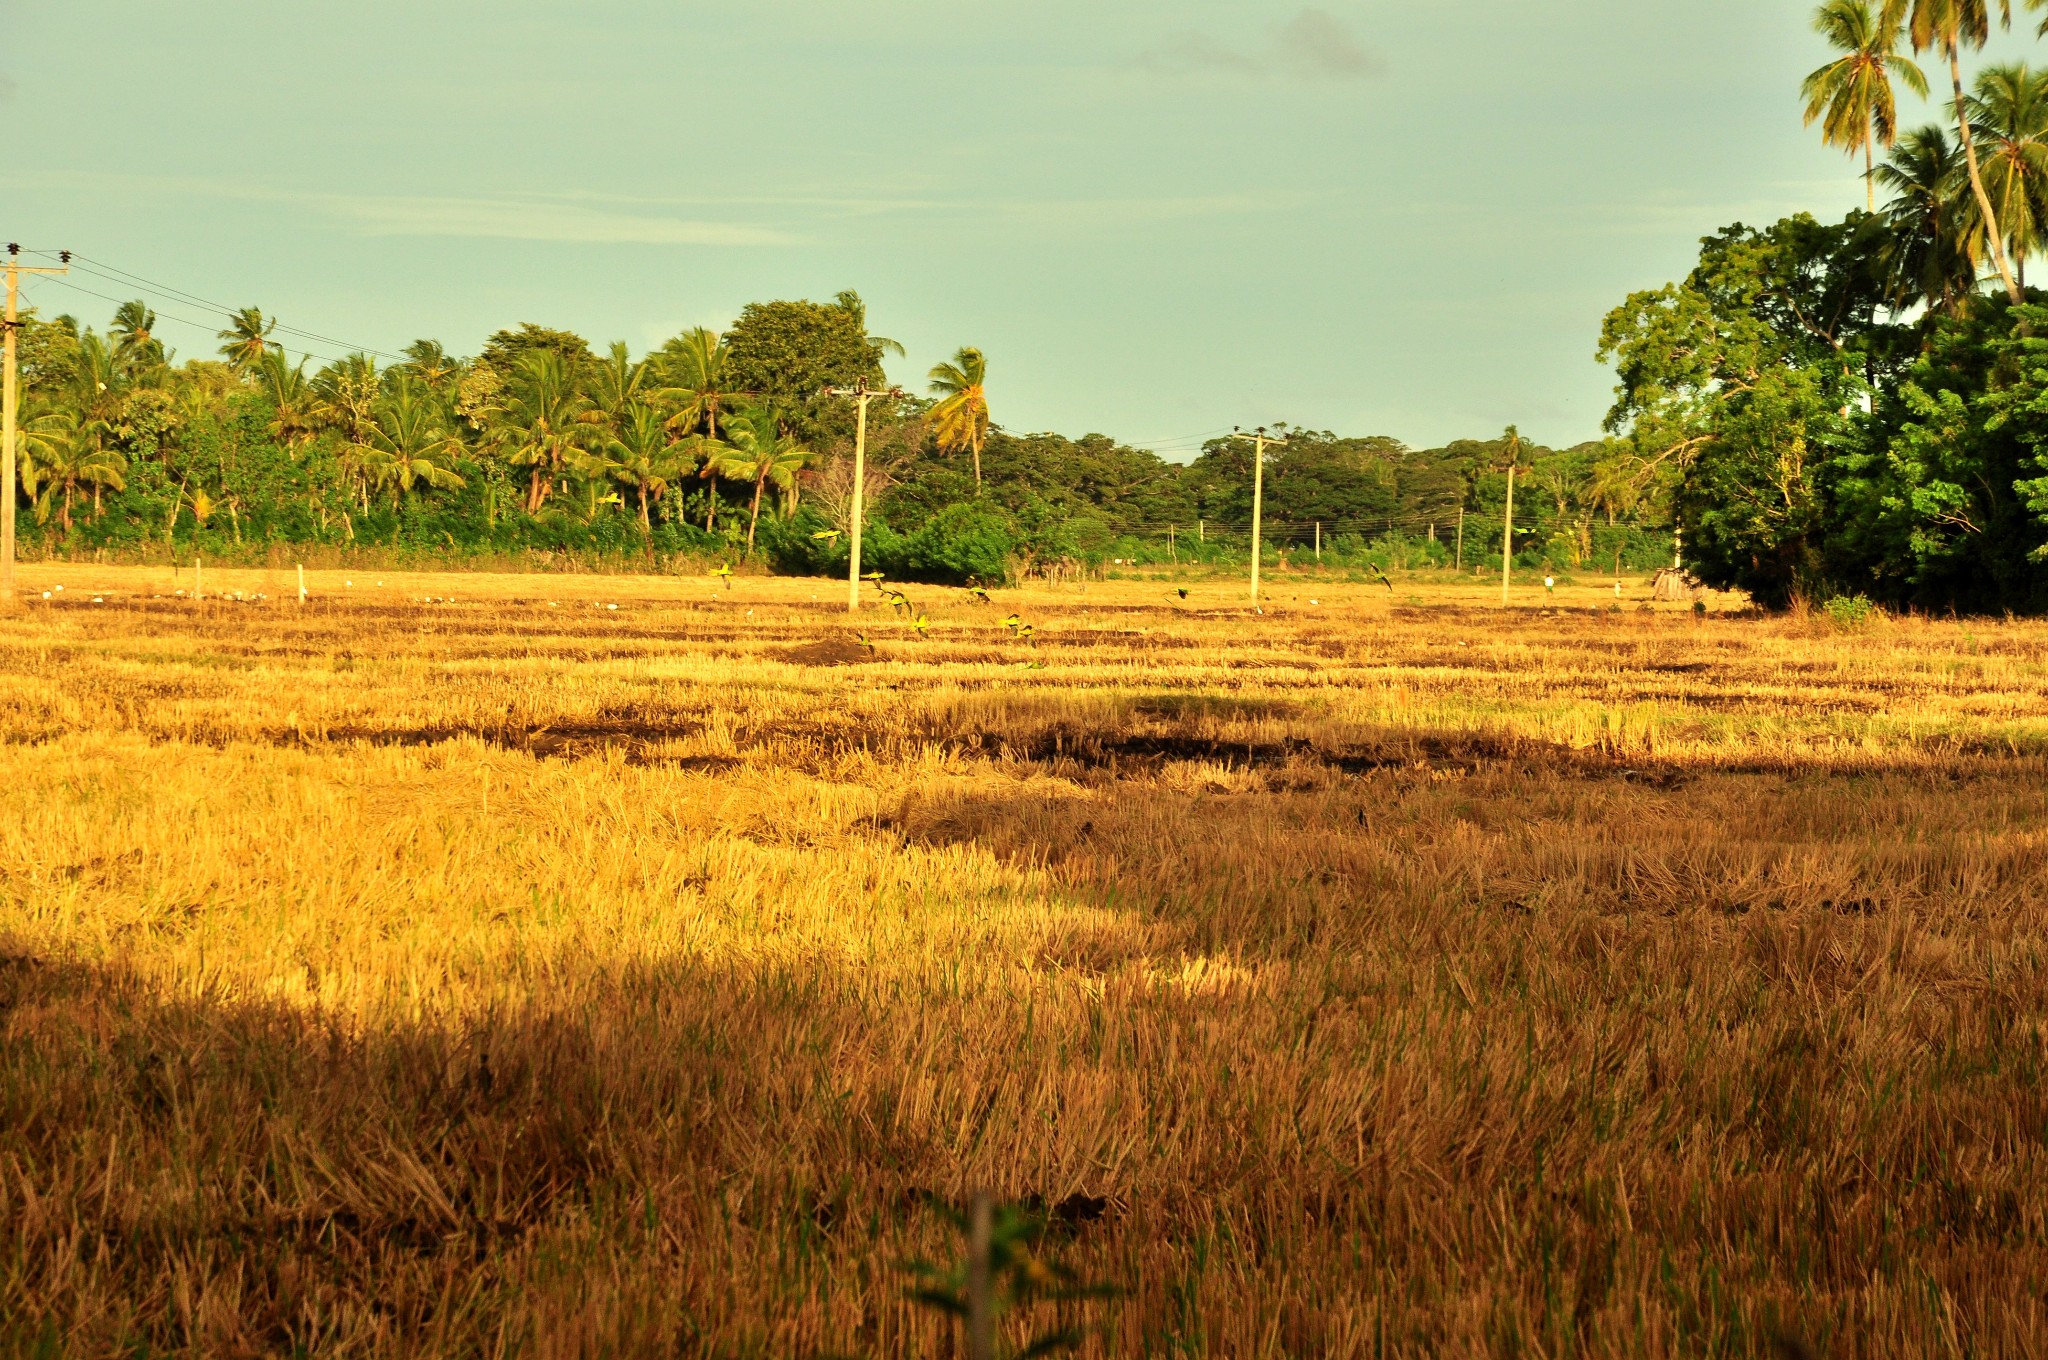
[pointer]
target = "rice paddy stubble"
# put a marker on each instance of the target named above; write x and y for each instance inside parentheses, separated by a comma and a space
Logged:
(387, 979)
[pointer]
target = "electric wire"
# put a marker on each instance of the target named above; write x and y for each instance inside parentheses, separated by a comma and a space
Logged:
(205, 326)
(115, 274)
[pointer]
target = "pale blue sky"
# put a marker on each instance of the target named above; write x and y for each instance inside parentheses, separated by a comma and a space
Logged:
(1159, 219)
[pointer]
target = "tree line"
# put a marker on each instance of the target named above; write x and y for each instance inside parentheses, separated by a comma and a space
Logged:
(726, 445)
(1861, 407)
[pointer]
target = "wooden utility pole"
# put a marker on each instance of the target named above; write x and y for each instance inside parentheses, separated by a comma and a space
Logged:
(862, 394)
(10, 399)
(1258, 440)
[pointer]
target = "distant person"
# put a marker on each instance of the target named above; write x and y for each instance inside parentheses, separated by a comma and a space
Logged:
(1550, 584)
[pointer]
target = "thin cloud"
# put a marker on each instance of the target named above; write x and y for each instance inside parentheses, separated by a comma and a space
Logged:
(1317, 43)
(567, 223)
(1313, 45)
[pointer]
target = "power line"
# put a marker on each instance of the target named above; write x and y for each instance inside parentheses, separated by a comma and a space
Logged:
(205, 326)
(137, 280)
(111, 273)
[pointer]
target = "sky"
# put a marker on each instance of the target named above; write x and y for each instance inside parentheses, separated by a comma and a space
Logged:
(1159, 218)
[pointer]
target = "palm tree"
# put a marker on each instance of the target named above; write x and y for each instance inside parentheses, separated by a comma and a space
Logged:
(2009, 116)
(431, 364)
(1930, 259)
(617, 387)
(759, 452)
(1948, 26)
(642, 456)
(850, 301)
(541, 421)
(1852, 97)
(135, 345)
(960, 420)
(40, 438)
(61, 453)
(247, 338)
(292, 399)
(695, 366)
(406, 443)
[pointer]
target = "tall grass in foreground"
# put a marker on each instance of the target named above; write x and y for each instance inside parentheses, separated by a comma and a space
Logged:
(498, 979)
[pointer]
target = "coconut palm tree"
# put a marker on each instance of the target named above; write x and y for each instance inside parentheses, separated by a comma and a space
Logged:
(1930, 259)
(850, 301)
(428, 361)
(293, 402)
(695, 366)
(2009, 119)
(247, 338)
(406, 443)
(758, 451)
(41, 437)
(1948, 26)
(960, 420)
(641, 455)
(540, 424)
(1852, 97)
(61, 453)
(619, 383)
(136, 347)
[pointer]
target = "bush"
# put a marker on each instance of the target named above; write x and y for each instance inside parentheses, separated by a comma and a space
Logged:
(965, 544)
(1849, 611)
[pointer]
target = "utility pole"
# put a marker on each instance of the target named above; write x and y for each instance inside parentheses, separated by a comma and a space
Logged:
(1507, 541)
(1677, 548)
(862, 394)
(11, 401)
(1461, 538)
(1319, 541)
(1258, 440)
(1511, 443)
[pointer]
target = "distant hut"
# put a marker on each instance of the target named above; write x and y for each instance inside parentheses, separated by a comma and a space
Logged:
(1676, 586)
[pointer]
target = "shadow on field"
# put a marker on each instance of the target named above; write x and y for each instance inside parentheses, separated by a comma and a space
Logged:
(660, 1153)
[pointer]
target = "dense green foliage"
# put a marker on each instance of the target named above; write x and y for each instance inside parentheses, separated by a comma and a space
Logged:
(1848, 410)
(716, 446)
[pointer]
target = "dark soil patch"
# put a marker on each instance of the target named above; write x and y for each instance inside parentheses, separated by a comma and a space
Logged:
(831, 651)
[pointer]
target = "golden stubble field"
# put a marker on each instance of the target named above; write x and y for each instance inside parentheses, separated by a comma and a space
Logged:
(513, 974)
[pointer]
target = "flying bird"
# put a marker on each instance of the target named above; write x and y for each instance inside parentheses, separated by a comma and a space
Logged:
(1013, 623)
(724, 571)
(922, 625)
(826, 535)
(978, 593)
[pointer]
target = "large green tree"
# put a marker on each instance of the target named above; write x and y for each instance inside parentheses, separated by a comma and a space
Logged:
(786, 353)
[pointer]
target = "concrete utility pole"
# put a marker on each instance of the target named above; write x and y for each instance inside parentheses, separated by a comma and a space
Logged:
(1258, 440)
(1507, 541)
(862, 394)
(10, 399)
(1511, 443)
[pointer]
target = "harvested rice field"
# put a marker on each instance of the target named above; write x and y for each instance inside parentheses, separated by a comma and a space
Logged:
(610, 967)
